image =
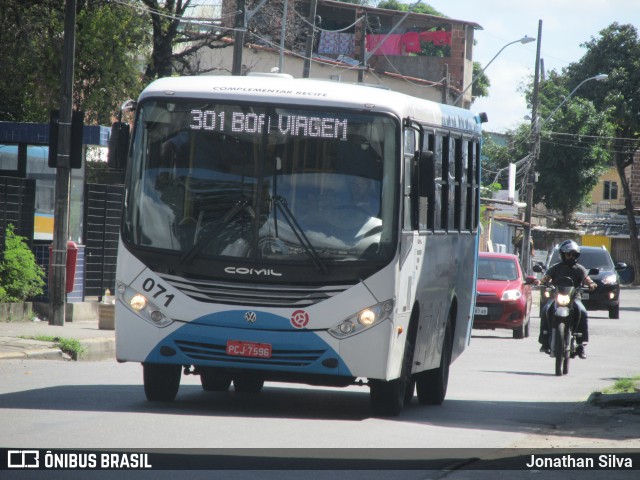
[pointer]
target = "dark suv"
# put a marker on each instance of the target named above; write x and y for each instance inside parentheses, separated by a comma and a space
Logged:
(607, 295)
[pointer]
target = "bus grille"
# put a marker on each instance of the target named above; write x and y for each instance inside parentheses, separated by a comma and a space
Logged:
(293, 296)
(211, 352)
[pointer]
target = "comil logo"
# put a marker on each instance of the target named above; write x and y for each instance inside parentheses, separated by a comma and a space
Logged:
(23, 459)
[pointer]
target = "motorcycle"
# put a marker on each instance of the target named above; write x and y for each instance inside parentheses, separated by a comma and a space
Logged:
(562, 341)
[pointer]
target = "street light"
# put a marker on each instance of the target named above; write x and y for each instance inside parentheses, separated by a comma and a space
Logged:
(600, 77)
(524, 40)
(537, 126)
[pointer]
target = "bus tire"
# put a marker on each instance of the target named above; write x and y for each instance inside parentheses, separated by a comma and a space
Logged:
(214, 380)
(432, 384)
(161, 382)
(387, 398)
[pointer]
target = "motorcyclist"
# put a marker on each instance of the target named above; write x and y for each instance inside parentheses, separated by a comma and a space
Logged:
(567, 267)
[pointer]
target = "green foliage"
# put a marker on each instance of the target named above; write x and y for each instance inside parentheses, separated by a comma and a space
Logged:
(20, 276)
(70, 346)
(403, 7)
(481, 86)
(496, 157)
(624, 385)
(109, 55)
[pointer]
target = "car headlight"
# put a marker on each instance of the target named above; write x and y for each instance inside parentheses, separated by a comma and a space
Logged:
(363, 320)
(563, 300)
(511, 295)
(610, 279)
(139, 304)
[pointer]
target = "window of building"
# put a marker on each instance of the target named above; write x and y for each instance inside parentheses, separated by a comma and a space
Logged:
(610, 190)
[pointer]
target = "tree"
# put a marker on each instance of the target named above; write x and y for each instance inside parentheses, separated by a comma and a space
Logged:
(110, 41)
(616, 52)
(572, 151)
(178, 39)
(481, 86)
(20, 276)
(404, 7)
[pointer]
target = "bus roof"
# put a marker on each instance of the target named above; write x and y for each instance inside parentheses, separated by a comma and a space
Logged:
(286, 90)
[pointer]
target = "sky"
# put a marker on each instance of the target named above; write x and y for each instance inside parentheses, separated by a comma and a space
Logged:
(566, 24)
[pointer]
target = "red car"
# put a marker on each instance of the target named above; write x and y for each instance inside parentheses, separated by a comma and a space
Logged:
(503, 294)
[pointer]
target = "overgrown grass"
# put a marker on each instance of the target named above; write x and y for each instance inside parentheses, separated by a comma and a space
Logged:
(624, 385)
(70, 346)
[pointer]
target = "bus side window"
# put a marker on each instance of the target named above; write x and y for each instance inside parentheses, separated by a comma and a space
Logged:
(410, 146)
(434, 212)
(427, 184)
(460, 184)
(471, 186)
(445, 182)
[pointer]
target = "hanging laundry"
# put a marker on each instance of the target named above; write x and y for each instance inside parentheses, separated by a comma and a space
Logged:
(410, 42)
(389, 45)
(337, 43)
(437, 37)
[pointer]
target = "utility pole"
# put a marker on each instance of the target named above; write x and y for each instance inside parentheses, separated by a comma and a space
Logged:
(238, 38)
(308, 52)
(58, 260)
(535, 153)
(361, 44)
(445, 87)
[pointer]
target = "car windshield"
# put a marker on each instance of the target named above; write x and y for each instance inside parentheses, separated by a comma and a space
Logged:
(497, 269)
(589, 258)
(259, 182)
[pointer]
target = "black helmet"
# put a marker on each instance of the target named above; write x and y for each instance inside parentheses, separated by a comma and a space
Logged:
(569, 246)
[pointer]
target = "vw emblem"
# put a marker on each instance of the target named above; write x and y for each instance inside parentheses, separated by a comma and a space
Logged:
(250, 317)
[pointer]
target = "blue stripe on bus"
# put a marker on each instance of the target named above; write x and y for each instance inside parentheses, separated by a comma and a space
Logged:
(300, 351)
(238, 319)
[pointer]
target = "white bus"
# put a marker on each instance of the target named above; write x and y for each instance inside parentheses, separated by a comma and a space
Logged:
(294, 230)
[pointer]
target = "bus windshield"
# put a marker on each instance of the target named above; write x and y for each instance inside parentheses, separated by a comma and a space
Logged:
(213, 181)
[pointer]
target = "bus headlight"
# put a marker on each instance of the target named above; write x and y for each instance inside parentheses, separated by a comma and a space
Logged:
(142, 307)
(138, 302)
(363, 320)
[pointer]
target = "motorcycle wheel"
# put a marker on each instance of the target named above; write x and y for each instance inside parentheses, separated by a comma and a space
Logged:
(558, 348)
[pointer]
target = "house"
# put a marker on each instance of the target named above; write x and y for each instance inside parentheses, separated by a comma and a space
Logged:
(421, 55)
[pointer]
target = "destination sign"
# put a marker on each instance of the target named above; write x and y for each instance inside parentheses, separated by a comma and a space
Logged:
(286, 125)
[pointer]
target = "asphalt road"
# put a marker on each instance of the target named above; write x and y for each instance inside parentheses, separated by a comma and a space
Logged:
(503, 395)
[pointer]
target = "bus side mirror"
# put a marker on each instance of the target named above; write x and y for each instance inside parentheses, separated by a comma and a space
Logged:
(118, 145)
(425, 169)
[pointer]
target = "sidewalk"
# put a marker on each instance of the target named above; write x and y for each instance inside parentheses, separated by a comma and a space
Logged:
(16, 340)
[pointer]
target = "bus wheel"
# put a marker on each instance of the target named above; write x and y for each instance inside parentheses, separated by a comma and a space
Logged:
(161, 382)
(388, 397)
(248, 383)
(432, 384)
(214, 380)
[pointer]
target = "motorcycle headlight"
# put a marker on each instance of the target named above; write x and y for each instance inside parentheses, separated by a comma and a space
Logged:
(511, 295)
(610, 279)
(362, 320)
(563, 300)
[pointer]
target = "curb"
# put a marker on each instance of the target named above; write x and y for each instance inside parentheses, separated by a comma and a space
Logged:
(51, 353)
(98, 349)
(95, 349)
(601, 400)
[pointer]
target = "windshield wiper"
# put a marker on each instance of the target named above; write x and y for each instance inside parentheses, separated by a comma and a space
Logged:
(204, 241)
(281, 203)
